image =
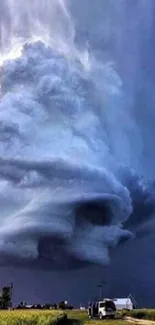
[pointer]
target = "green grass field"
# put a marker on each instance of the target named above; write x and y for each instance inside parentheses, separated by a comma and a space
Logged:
(40, 317)
(148, 314)
(81, 317)
(31, 317)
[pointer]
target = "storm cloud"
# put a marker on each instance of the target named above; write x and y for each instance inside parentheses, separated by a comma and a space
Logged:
(73, 176)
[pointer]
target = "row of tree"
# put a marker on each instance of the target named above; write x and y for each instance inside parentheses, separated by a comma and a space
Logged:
(6, 301)
(61, 305)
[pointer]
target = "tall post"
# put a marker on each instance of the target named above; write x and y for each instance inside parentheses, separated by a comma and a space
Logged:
(100, 286)
(100, 291)
(102, 283)
(11, 292)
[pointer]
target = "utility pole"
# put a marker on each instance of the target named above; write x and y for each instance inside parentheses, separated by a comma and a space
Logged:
(11, 292)
(100, 291)
(100, 287)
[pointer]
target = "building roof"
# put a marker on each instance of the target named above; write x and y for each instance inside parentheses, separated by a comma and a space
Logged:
(122, 300)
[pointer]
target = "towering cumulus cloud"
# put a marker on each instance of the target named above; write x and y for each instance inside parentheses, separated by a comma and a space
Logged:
(70, 144)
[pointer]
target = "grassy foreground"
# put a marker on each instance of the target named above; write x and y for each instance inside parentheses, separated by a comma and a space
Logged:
(148, 314)
(32, 317)
(40, 317)
(81, 318)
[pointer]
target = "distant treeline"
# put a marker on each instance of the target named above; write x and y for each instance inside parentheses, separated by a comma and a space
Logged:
(6, 302)
(61, 305)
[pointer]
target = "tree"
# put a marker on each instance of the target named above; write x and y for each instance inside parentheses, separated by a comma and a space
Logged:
(64, 305)
(22, 305)
(47, 306)
(54, 306)
(5, 301)
(6, 297)
(38, 306)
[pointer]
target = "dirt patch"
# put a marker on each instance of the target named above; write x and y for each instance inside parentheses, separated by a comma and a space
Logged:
(139, 321)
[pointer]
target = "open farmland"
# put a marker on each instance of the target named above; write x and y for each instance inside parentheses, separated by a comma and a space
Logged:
(32, 317)
(74, 317)
(82, 318)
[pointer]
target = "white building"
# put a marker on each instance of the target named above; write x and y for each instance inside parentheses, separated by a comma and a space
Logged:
(123, 303)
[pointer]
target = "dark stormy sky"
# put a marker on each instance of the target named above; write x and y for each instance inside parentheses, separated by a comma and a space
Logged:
(77, 130)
